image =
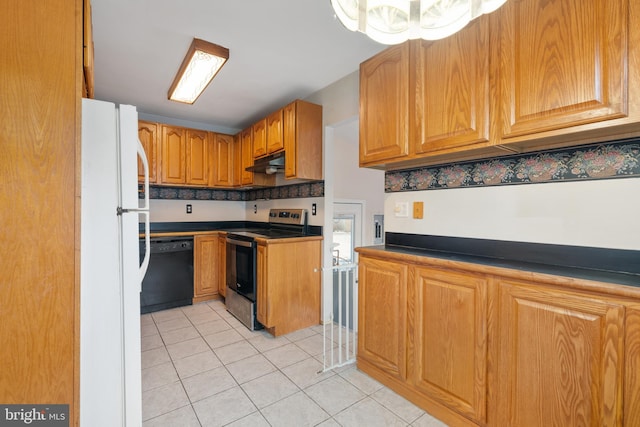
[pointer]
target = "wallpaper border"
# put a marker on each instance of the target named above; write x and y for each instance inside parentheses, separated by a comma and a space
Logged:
(616, 159)
(292, 191)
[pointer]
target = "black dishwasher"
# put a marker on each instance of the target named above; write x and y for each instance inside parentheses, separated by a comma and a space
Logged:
(169, 279)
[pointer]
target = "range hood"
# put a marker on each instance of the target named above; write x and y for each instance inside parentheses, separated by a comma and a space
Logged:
(270, 164)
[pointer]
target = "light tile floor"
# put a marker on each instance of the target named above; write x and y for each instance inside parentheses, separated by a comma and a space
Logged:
(202, 367)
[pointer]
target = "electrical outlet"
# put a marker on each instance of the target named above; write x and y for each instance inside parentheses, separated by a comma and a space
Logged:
(255, 208)
(418, 210)
(189, 209)
(313, 209)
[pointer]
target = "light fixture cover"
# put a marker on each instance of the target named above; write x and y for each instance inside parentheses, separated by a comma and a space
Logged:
(395, 21)
(199, 67)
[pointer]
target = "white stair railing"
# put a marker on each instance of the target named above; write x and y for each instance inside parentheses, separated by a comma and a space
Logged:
(340, 341)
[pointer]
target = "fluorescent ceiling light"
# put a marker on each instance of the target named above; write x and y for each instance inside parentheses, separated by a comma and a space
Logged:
(199, 67)
(395, 21)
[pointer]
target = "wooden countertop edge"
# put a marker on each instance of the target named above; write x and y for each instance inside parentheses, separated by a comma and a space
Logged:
(263, 240)
(587, 285)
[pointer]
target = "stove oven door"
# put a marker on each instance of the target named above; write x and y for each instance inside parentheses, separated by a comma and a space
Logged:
(241, 266)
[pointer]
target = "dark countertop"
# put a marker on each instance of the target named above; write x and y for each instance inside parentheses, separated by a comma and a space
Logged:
(621, 267)
(192, 228)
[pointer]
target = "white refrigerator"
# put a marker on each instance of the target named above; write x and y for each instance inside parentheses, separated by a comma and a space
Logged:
(110, 269)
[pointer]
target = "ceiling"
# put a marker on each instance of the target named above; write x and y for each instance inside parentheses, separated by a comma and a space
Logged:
(279, 50)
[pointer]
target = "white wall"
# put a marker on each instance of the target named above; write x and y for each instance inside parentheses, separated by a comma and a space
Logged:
(202, 210)
(602, 213)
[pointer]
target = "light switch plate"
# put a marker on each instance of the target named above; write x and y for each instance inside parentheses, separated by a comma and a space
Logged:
(401, 210)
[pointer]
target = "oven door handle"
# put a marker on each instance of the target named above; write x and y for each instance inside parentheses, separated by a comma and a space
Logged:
(240, 243)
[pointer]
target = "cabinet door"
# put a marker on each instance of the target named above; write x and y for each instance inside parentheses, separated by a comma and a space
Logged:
(223, 154)
(560, 64)
(382, 315)
(274, 132)
(236, 153)
(452, 90)
(384, 106)
(172, 159)
(205, 270)
(148, 135)
(259, 132)
(302, 125)
(246, 153)
(262, 292)
(197, 157)
(561, 358)
(450, 339)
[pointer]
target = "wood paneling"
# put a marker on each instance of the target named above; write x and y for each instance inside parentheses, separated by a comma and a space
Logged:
(41, 84)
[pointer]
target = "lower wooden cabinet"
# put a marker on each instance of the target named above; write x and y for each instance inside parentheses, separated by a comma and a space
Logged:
(206, 270)
(564, 352)
(449, 339)
(288, 284)
(382, 315)
(479, 346)
(222, 264)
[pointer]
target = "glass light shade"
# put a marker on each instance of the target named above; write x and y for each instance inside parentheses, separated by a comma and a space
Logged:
(395, 21)
(199, 67)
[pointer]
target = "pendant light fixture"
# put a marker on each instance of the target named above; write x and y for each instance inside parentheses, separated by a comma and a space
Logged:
(395, 21)
(199, 67)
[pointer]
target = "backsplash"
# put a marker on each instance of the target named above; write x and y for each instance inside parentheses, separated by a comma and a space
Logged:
(616, 159)
(293, 191)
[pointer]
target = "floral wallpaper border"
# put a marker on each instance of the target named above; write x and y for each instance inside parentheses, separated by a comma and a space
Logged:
(597, 161)
(293, 191)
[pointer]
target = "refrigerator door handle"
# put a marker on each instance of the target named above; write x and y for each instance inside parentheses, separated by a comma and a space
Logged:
(145, 211)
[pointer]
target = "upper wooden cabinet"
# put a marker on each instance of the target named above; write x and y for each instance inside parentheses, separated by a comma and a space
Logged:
(275, 142)
(302, 140)
(532, 75)
(259, 135)
(560, 64)
(384, 106)
(87, 51)
(223, 159)
(148, 135)
(246, 157)
(451, 99)
(197, 157)
(172, 155)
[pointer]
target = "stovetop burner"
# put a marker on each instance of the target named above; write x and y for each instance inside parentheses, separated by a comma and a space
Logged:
(283, 223)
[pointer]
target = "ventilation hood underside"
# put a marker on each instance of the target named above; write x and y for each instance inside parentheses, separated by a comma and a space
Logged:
(270, 164)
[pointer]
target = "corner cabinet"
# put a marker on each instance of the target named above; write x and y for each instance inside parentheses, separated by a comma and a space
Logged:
(476, 345)
(206, 269)
(288, 283)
